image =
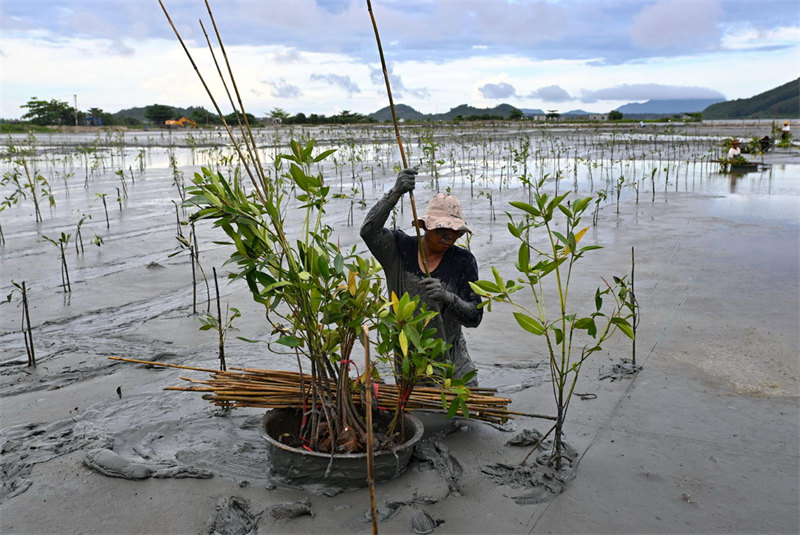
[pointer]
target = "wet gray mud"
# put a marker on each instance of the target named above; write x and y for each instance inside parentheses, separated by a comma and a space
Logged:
(708, 247)
(539, 478)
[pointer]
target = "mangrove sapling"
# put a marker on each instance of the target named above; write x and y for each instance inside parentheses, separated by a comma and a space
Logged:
(221, 325)
(121, 174)
(189, 246)
(405, 328)
(25, 323)
(316, 295)
(178, 219)
(62, 242)
(560, 325)
(78, 234)
(105, 206)
(618, 189)
(653, 184)
(633, 307)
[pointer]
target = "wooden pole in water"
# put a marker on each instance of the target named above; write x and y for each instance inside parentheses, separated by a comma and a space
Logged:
(368, 409)
(397, 135)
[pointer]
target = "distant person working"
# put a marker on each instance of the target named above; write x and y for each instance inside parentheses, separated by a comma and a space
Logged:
(734, 151)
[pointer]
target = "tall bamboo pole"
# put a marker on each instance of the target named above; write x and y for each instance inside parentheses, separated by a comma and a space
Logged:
(368, 410)
(397, 135)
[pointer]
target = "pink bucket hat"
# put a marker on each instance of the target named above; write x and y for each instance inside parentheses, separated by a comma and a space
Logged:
(444, 211)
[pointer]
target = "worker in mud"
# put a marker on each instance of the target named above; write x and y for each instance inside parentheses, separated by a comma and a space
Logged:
(451, 267)
(734, 151)
(786, 131)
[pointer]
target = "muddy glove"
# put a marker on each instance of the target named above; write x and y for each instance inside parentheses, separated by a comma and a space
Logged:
(405, 180)
(434, 291)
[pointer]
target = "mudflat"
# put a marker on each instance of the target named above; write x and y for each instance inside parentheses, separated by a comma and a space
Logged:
(705, 438)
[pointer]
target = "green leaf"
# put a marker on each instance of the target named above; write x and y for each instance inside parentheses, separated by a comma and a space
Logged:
(623, 326)
(523, 257)
(588, 324)
(525, 207)
(322, 155)
(513, 230)
(528, 323)
(453, 410)
(338, 264)
(289, 341)
(486, 286)
(559, 335)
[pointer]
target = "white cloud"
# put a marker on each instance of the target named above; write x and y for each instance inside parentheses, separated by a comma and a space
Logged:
(551, 93)
(497, 91)
(283, 89)
(677, 24)
(443, 53)
(748, 37)
(628, 92)
(339, 81)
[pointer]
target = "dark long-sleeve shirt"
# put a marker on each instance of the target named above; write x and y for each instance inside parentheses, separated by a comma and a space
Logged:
(396, 251)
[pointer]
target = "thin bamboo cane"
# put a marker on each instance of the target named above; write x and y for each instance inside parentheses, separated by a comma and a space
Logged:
(277, 388)
(397, 135)
(370, 463)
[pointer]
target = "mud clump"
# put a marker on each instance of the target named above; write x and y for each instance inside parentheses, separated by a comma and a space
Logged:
(541, 479)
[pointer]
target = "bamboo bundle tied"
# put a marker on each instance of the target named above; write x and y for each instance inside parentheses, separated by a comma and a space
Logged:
(273, 389)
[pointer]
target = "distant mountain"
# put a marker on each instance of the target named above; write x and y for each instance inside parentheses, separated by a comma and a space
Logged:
(532, 111)
(463, 111)
(402, 111)
(781, 102)
(665, 107)
(580, 112)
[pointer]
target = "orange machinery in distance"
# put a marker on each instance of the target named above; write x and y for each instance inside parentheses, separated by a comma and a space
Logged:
(182, 122)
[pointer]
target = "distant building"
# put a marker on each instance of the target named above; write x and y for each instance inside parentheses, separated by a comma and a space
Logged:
(598, 117)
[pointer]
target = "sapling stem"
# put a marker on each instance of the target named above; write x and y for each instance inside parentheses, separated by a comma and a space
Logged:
(28, 334)
(64, 265)
(105, 207)
(222, 365)
(634, 309)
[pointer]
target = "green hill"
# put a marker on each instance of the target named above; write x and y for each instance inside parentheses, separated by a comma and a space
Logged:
(464, 111)
(402, 111)
(781, 102)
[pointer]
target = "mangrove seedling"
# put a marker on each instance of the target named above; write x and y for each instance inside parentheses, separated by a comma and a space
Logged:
(222, 325)
(404, 336)
(25, 323)
(570, 336)
(105, 206)
(62, 242)
(78, 235)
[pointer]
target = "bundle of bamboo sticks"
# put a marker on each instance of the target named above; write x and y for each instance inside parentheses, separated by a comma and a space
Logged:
(252, 387)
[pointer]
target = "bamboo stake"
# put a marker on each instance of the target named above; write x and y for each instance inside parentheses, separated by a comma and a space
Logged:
(278, 389)
(222, 365)
(368, 410)
(397, 135)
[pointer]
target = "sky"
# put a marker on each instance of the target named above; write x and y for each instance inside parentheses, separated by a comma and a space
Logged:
(321, 56)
